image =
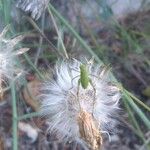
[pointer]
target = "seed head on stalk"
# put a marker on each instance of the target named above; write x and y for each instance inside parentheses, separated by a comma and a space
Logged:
(71, 116)
(8, 58)
(35, 7)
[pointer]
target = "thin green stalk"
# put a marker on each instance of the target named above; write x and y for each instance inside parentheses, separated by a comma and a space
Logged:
(137, 100)
(137, 110)
(134, 121)
(127, 36)
(40, 49)
(33, 66)
(30, 115)
(59, 35)
(145, 144)
(15, 121)
(6, 8)
(33, 23)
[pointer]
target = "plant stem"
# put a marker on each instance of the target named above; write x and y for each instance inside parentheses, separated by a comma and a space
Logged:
(33, 66)
(29, 115)
(15, 121)
(59, 35)
(137, 110)
(134, 121)
(137, 100)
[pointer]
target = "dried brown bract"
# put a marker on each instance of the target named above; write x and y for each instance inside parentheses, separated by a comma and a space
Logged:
(89, 130)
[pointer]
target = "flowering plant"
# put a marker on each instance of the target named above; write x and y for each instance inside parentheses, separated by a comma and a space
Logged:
(75, 113)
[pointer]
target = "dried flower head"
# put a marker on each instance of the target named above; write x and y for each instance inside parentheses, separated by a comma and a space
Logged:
(8, 57)
(75, 113)
(35, 7)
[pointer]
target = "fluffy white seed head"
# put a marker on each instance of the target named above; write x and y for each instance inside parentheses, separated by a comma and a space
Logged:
(61, 101)
(8, 56)
(35, 7)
